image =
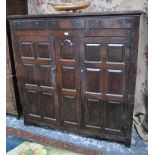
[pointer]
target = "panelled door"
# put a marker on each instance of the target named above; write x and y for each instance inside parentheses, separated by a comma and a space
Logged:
(36, 73)
(104, 83)
(68, 79)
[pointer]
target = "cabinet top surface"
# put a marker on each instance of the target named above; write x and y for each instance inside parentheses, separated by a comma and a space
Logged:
(78, 14)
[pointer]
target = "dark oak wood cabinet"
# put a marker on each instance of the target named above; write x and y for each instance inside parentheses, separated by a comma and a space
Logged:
(77, 71)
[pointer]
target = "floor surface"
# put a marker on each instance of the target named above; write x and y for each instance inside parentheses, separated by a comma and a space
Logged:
(11, 143)
(138, 147)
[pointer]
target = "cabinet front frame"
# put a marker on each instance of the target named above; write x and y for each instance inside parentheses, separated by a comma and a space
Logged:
(127, 30)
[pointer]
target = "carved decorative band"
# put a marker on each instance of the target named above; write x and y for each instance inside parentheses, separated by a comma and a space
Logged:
(93, 24)
(21, 25)
(53, 24)
(66, 24)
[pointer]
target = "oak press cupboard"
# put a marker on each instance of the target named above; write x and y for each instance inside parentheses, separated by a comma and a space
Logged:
(77, 71)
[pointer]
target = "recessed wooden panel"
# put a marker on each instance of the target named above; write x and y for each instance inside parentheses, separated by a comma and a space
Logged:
(93, 80)
(46, 100)
(93, 112)
(114, 115)
(43, 50)
(32, 103)
(69, 109)
(67, 49)
(115, 52)
(46, 77)
(93, 52)
(68, 77)
(26, 50)
(115, 81)
(30, 73)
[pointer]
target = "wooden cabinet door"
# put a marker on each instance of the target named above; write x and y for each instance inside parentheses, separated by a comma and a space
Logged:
(68, 80)
(35, 63)
(104, 83)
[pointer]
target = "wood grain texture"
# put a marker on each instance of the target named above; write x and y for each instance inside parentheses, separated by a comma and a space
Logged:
(79, 80)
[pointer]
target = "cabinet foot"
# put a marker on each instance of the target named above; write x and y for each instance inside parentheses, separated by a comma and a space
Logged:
(128, 143)
(18, 117)
(26, 124)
